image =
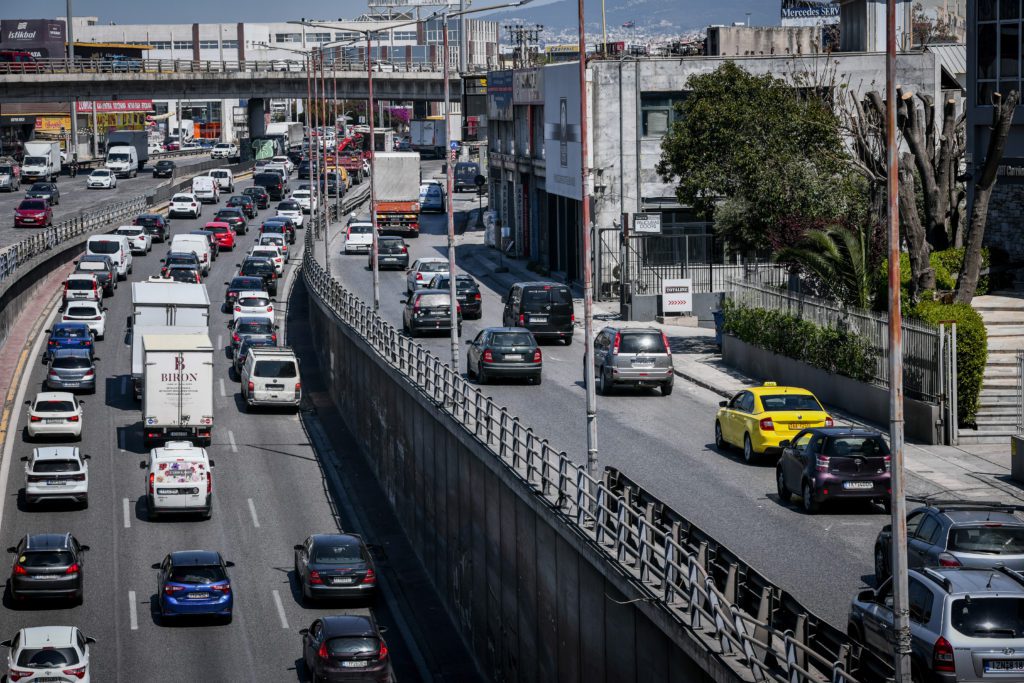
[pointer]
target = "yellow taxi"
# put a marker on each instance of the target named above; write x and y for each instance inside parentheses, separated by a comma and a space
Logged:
(759, 418)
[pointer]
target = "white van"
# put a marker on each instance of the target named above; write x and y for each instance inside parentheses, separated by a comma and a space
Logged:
(114, 246)
(206, 189)
(270, 377)
(123, 161)
(197, 244)
(178, 479)
(225, 179)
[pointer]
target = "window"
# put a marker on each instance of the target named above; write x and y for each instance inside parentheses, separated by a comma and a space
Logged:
(920, 599)
(658, 112)
(183, 45)
(318, 37)
(998, 48)
(208, 45)
(229, 44)
(404, 35)
(913, 521)
(346, 35)
(928, 531)
(161, 45)
(287, 37)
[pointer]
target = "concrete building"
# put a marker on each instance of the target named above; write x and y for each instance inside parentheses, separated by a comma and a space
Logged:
(737, 41)
(863, 25)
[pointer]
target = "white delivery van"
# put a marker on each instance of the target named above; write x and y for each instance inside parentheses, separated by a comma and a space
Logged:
(179, 480)
(225, 179)
(206, 189)
(270, 377)
(177, 399)
(116, 247)
(197, 244)
(123, 161)
(41, 161)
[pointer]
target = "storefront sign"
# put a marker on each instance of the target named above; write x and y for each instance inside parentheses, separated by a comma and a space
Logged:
(677, 296)
(499, 95)
(114, 107)
(42, 38)
(1011, 170)
(52, 124)
(528, 86)
(647, 223)
(17, 120)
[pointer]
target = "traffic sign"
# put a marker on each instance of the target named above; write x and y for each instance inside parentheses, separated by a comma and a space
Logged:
(453, 145)
(677, 295)
(649, 223)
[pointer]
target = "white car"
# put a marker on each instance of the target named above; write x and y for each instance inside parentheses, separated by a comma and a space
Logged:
(423, 271)
(253, 304)
(305, 199)
(293, 210)
(224, 150)
(286, 162)
(359, 236)
(185, 205)
(225, 179)
(179, 479)
(57, 473)
(271, 252)
(82, 287)
(89, 312)
(54, 413)
(140, 241)
(49, 651)
(101, 178)
(275, 239)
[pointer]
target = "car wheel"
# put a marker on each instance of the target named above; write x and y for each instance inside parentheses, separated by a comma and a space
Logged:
(481, 376)
(780, 486)
(807, 499)
(748, 450)
(720, 443)
(568, 340)
(666, 389)
(602, 383)
(537, 379)
(881, 566)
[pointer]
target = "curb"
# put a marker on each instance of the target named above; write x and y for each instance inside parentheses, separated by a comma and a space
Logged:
(701, 383)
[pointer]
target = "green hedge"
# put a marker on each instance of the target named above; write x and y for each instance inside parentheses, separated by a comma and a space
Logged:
(951, 260)
(971, 351)
(946, 265)
(836, 351)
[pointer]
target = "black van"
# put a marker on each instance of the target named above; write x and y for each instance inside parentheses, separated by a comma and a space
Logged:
(544, 308)
(465, 176)
(272, 183)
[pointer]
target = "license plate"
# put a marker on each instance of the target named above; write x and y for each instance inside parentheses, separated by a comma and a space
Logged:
(643, 363)
(538, 318)
(513, 356)
(171, 492)
(858, 485)
(197, 596)
(70, 384)
(56, 482)
(54, 421)
(356, 664)
(342, 580)
(177, 433)
(1003, 665)
(275, 387)
(390, 259)
(50, 679)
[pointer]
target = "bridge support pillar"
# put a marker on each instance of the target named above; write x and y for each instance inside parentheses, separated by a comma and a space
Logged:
(257, 109)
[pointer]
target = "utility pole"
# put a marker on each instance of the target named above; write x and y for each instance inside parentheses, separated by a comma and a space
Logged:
(453, 302)
(73, 146)
(588, 269)
(373, 172)
(901, 611)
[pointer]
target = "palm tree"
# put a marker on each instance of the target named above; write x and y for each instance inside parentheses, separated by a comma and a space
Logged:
(838, 257)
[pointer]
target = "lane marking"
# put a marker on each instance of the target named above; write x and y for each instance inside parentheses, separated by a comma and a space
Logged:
(133, 616)
(280, 609)
(231, 440)
(252, 511)
(223, 392)
(127, 513)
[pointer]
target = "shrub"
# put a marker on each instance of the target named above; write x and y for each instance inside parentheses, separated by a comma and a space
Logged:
(951, 260)
(836, 351)
(971, 351)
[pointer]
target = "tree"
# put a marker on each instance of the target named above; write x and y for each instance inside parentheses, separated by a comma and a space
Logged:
(839, 258)
(770, 151)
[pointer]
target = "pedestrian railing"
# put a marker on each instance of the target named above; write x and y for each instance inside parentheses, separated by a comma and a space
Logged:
(192, 66)
(673, 570)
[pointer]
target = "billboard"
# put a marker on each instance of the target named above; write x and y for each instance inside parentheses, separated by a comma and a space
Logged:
(499, 95)
(528, 86)
(42, 38)
(562, 148)
(810, 9)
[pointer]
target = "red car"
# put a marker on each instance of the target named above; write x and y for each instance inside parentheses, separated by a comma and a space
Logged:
(223, 233)
(33, 213)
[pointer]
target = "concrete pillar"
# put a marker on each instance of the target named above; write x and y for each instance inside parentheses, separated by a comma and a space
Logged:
(257, 109)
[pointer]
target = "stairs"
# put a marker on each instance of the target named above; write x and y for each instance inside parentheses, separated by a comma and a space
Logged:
(997, 405)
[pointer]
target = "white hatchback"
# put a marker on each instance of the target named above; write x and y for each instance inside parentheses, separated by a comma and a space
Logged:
(185, 205)
(92, 313)
(253, 304)
(58, 653)
(277, 240)
(54, 413)
(140, 241)
(305, 199)
(286, 162)
(101, 178)
(82, 287)
(271, 252)
(359, 237)
(57, 473)
(292, 210)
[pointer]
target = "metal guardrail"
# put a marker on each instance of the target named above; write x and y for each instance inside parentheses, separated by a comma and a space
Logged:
(190, 66)
(684, 575)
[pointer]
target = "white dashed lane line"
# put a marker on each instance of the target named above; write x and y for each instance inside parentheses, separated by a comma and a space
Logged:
(280, 609)
(252, 511)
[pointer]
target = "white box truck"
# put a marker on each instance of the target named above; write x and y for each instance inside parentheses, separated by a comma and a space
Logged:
(158, 307)
(177, 399)
(41, 162)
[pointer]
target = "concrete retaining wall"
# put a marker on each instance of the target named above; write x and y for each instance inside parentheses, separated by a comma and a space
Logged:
(865, 401)
(533, 600)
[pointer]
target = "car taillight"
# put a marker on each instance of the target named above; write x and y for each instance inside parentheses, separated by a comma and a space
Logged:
(87, 342)
(77, 672)
(419, 276)
(371, 576)
(77, 477)
(209, 483)
(488, 356)
(888, 463)
(252, 387)
(322, 653)
(821, 462)
(89, 373)
(942, 656)
(273, 338)
(405, 250)
(536, 356)
(34, 418)
(171, 590)
(829, 422)
(73, 569)
(668, 348)
(477, 296)
(948, 560)
(18, 674)
(298, 389)
(238, 309)
(615, 352)
(270, 309)
(151, 483)
(382, 653)
(53, 373)
(235, 337)
(224, 588)
(572, 317)
(314, 577)
(73, 418)
(20, 571)
(522, 319)
(458, 308)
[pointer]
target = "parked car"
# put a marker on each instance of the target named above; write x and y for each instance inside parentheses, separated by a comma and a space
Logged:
(185, 204)
(504, 352)
(92, 313)
(10, 176)
(259, 196)
(68, 336)
(140, 241)
(54, 413)
(759, 419)
(429, 310)
(234, 217)
(48, 191)
(828, 464)
(194, 582)
(155, 225)
(263, 268)
(632, 356)
(423, 270)
(101, 179)
(164, 168)
(956, 533)
(33, 213)
(103, 267)
(335, 646)
(239, 284)
(72, 369)
(966, 623)
(48, 566)
(58, 473)
(467, 292)
(335, 566)
(243, 202)
(544, 308)
(41, 649)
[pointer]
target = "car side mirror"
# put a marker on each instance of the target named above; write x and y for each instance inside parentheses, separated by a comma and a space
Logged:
(404, 301)
(237, 265)
(213, 464)
(866, 595)
(155, 565)
(298, 546)
(95, 360)
(302, 632)
(47, 331)
(229, 564)
(7, 643)
(24, 458)
(84, 548)
(86, 457)
(163, 260)
(28, 403)
(142, 464)
(723, 404)
(227, 284)
(90, 640)
(128, 322)
(887, 528)
(784, 443)
(12, 549)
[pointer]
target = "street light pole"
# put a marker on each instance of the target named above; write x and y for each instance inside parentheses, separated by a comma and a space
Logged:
(901, 611)
(73, 147)
(453, 301)
(373, 172)
(588, 271)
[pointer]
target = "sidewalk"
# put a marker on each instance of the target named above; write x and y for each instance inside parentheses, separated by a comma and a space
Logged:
(975, 472)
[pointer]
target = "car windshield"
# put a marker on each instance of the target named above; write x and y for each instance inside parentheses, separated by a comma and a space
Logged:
(71, 332)
(200, 575)
(82, 311)
(433, 267)
(254, 327)
(71, 363)
(41, 187)
(117, 157)
(32, 205)
(337, 553)
(104, 247)
(32, 161)
(642, 343)
(275, 369)
(47, 658)
(980, 617)
(512, 339)
(990, 539)
(54, 466)
(6, 170)
(254, 301)
(790, 402)
(353, 646)
(46, 558)
(54, 406)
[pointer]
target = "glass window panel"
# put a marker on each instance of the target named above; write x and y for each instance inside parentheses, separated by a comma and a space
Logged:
(1009, 9)
(986, 10)
(1009, 49)
(655, 122)
(987, 51)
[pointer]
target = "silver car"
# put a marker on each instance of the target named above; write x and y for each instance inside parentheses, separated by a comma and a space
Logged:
(966, 623)
(71, 370)
(634, 356)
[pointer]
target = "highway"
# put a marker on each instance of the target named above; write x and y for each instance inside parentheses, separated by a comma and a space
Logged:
(278, 477)
(74, 198)
(666, 444)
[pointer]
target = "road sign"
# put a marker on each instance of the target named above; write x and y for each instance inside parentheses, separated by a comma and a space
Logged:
(677, 296)
(454, 155)
(647, 223)
(453, 145)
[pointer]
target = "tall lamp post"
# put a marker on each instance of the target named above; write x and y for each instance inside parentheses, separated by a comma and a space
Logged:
(73, 144)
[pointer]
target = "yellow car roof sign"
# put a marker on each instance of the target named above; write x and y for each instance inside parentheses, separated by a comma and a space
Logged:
(770, 384)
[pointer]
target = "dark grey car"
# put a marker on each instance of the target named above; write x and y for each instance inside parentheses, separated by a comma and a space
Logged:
(48, 566)
(504, 352)
(71, 370)
(957, 534)
(334, 566)
(638, 357)
(102, 267)
(252, 328)
(429, 310)
(392, 252)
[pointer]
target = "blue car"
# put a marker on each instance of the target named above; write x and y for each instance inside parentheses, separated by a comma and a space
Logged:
(69, 336)
(195, 583)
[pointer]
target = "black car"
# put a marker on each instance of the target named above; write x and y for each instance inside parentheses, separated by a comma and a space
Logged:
(259, 196)
(335, 185)
(48, 566)
(242, 283)
(392, 252)
(48, 191)
(211, 239)
(238, 359)
(544, 308)
(186, 259)
(467, 292)
(464, 176)
(252, 327)
(273, 183)
(304, 169)
(164, 169)
(504, 352)
(335, 648)
(245, 203)
(280, 224)
(263, 268)
(155, 226)
(187, 274)
(102, 266)
(334, 566)
(429, 310)
(233, 217)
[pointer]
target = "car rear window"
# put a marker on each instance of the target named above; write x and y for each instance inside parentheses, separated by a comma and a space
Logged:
(980, 617)
(512, 339)
(182, 198)
(54, 407)
(266, 179)
(360, 229)
(433, 267)
(254, 327)
(201, 575)
(533, 297)
(104, 247)
(130, 232)
(81, 311)
(54, 466)
(91, 265)
(247, 283)
(852, 446)
(275, 369)
(988, 540)
(186, 275)
(72, 362)
(50, 657)
(353, 647)
(40, 187)
(337, 553)
(434, 300)
(46, 558)
(254, 301)
(72, 332)
(790, 402)
(79, 284)
(642, 343)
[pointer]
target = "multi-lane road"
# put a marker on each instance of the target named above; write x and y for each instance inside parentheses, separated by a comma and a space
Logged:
(278, 477)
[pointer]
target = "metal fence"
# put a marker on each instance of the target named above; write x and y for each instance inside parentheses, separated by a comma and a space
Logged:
(170, 66)
(674, 573)
(920, 339)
